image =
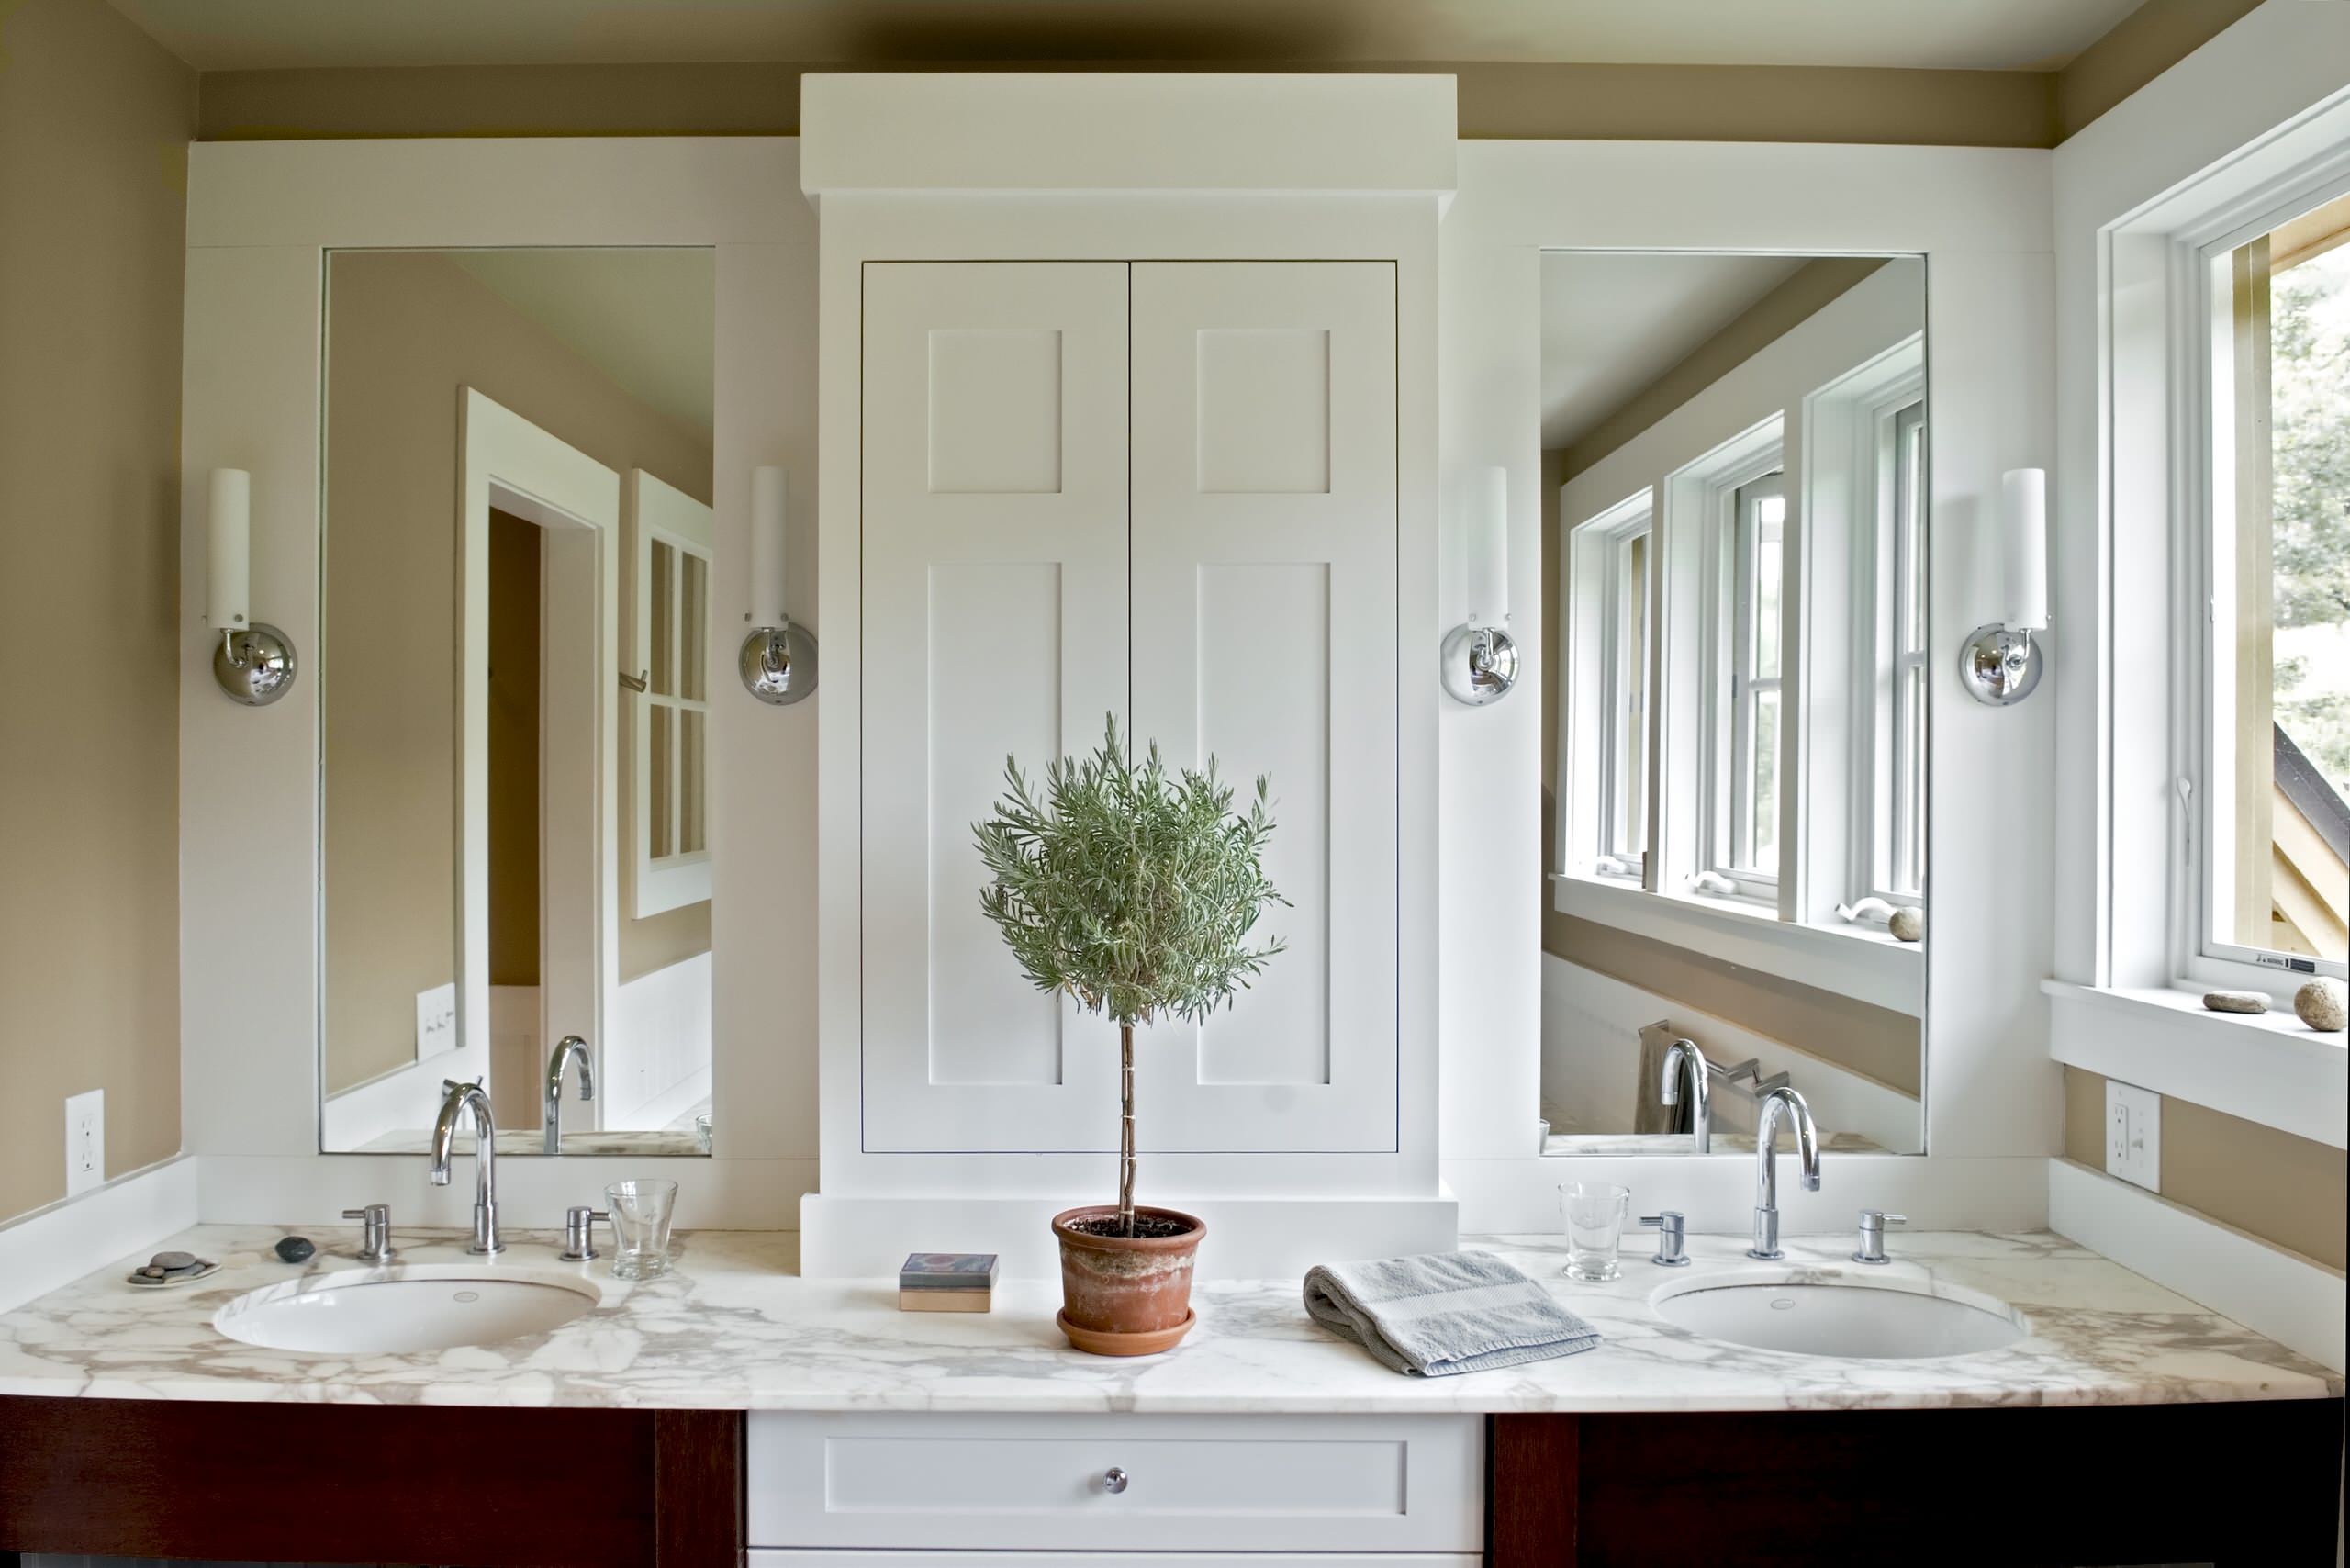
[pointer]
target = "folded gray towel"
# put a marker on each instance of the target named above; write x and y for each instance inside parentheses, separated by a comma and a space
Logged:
(1445, 1313)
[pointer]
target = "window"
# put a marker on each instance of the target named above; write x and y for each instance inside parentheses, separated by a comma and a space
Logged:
(2271, 754)
(1624, 726)
(1748, 700)
(1896, 855)
(672, 719)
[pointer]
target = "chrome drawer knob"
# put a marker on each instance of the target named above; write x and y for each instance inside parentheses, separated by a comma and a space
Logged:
(1113, 1481)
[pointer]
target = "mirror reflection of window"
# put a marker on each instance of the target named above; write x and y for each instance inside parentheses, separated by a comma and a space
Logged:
(515, 696)
(1740, 685)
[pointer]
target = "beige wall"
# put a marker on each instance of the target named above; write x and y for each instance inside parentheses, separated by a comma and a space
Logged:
(406, 332)
(1498, 99)
(2291, 1190)
(93, 124)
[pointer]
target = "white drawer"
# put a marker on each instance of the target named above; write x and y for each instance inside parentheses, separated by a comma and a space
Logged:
(799, 1557)
(1199, 1483)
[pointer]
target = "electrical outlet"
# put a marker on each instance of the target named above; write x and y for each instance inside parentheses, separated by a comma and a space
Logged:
(86, 1141)
(2134, 1135)
(436, 1021)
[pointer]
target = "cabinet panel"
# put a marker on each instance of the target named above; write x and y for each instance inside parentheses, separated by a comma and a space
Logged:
(994, 486)
(1183, 1483)
(1264, 625)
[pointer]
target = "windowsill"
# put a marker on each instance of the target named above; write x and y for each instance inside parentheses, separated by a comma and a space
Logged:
(1858, 961)
(2268, 1068)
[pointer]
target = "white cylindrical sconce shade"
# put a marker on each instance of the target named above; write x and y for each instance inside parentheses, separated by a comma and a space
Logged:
(1488, 548)
(768, 490)
(228, 582)
(2025, 548)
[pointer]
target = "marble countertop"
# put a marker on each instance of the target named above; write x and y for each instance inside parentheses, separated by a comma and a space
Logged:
(732, 1328)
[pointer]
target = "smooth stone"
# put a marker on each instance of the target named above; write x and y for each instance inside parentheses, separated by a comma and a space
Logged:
(296, 1248)
(150, 1271)
(1907, 924)
(2321, 1004)
(2235, 1002)
(173, 1262)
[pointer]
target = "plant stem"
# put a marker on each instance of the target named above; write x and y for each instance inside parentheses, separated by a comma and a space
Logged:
(1125, 1129)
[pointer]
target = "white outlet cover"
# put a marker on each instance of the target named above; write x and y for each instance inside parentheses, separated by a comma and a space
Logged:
(436, 1021)
(86, 1141)
(2134, 1135)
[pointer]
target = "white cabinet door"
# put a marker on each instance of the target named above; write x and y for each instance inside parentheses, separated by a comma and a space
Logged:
(1264, 635)
(995, 624)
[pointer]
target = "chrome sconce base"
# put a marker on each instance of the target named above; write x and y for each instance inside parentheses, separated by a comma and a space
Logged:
(254, 666)
(1480, 665)
(2000, 666)
(779, 665)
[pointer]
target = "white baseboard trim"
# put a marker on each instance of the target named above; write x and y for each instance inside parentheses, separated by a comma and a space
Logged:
(2291, 1299)
(1247, 1238)
(57, 1245)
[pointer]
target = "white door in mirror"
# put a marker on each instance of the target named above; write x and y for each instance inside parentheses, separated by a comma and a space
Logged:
(1826, 1316)
(379, 1312)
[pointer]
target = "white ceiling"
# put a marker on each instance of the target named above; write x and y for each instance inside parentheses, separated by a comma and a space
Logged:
(1613, 322)
(648, 319)
(216, 35)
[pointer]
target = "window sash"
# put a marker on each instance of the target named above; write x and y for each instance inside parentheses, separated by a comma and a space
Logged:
(1624, 731)
(1749, 705)
(675, 704)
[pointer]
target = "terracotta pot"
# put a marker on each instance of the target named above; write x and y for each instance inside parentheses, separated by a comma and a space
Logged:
(1125, 1295)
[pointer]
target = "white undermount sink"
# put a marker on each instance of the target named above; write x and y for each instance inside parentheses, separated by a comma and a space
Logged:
(1829, 1313)
(386, 1311)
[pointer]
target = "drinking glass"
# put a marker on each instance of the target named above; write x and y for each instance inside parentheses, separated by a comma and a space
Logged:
(641, 1212)
(1594, 1216)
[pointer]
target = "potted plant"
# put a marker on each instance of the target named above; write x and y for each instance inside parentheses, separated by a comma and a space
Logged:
(1132, 890)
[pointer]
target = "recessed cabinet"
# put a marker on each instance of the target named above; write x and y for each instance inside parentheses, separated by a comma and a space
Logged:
(1166, 492)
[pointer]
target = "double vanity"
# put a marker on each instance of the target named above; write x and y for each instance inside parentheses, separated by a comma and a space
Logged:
(1763, 1411)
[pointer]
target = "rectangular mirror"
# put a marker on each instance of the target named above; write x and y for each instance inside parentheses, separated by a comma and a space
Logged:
(1736, 517)
(514, 683)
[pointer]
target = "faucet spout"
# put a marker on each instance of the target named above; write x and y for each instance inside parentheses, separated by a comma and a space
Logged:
(1685, 1055)
(571, 1049)
(1768, 1113)
(459, 1101)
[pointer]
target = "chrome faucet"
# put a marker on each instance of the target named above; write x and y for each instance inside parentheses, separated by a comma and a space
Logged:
(1683, 1054)
(572, 1048)
(459, 1099)
(1766, 1150)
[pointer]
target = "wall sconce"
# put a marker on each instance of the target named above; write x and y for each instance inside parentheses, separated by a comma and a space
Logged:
(2000, 664)
(778, 660)
(254, 661)
(1479, 660)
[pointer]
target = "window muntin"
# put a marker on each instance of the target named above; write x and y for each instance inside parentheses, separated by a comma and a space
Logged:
(1748, 702)
(2272, 752)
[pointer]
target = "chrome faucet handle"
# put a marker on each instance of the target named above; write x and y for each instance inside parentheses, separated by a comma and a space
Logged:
(1671, 1237)
(375, 1232)
(579, 1233)
(1873, 1224)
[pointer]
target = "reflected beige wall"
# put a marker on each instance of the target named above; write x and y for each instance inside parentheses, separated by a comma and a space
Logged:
(406, 332)
(94, 123)
(2290, 1191)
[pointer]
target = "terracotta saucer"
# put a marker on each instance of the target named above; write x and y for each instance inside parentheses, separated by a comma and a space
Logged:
(1096, 1342)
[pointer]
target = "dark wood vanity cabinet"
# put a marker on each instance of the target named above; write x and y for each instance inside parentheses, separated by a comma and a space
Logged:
(2244, 1485)
(280, 1482)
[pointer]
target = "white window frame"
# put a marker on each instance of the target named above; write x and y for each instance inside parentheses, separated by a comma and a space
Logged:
(1725, 688)
(1896, 799)
(2202, 549)
(668, 515)
(2255, 122)
(1609, 544)
(1592, 698)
